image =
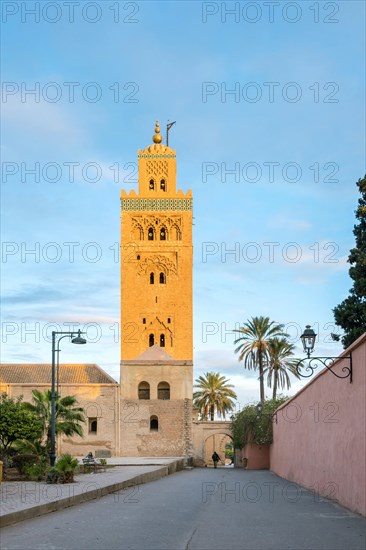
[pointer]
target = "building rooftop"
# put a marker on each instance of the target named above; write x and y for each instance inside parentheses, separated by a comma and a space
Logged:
(11, 373)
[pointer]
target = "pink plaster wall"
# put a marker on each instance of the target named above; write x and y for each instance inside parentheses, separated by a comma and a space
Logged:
(257, 455)
(319, 440)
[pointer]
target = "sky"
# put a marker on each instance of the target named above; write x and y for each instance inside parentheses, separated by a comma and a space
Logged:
(268, 99)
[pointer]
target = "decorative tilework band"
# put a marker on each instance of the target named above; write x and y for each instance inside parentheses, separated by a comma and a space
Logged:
(146, 156)
(156, 204)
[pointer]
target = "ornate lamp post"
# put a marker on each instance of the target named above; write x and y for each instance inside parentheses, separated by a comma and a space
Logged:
(308, 340)
(75, 339)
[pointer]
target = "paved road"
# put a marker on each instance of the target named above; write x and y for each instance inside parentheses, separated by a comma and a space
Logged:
(197, 510)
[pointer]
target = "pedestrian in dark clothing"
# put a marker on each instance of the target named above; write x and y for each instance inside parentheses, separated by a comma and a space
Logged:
(215, 457)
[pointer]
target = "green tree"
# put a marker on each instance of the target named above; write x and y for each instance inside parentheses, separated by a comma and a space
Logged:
(253, 344)
(68, 415)
(250, 427)
(213, 394)
(16, 422)
(350, 314)
(280, 363)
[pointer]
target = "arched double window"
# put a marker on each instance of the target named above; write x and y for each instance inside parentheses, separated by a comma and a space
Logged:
(162, 278)
(151, 340)
(151, 185)
(152, 278)
(163, 390)
(150, 234)
(154, 423)
(162, 340)
(144, 390)
(163, 185)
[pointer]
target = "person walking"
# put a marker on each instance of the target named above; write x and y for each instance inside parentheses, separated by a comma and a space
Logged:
(215, 457)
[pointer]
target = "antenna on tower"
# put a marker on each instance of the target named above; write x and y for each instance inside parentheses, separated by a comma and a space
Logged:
(168, 126)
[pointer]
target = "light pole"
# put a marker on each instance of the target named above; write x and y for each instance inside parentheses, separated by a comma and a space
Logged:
(75, 340)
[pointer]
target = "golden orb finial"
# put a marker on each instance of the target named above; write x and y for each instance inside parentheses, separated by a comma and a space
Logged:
(157, 138)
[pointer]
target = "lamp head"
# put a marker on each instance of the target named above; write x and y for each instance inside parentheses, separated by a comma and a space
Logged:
(308, 340)
(78, 339)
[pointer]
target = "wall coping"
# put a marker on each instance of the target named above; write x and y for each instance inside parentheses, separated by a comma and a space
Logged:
(344, 353)
(152, 363)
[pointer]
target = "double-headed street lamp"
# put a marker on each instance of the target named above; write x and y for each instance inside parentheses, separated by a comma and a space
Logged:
(75, 339)
(308, 340)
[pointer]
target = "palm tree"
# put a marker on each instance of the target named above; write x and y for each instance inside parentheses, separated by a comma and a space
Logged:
(213, 393)
(253, 344)
(281, 363)
(68, 416)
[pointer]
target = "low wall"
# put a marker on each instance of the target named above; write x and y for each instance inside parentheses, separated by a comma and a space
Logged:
(319, 438)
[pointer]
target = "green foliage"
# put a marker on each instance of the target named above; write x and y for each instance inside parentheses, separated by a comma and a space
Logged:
(280, 363)
(66, 466)
(103, 461)
(69, 416)
(16, 422)
(213, 394)
(21, 461)
(249, 427)
(36, 471)
(350, 314)
(253, 344)
(229, 450)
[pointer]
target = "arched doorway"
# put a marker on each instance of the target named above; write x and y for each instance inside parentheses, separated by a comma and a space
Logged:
(223, 445)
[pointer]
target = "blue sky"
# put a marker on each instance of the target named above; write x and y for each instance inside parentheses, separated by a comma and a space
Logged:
(269, 105)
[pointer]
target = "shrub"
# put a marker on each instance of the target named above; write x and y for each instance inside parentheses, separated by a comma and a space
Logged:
(35, 472)
(20, 461)
(66, 466)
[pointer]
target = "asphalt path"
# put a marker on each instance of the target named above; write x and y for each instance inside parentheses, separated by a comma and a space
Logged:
(200, 509)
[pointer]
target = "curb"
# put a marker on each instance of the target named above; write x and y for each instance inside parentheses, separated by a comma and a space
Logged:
(74, 500)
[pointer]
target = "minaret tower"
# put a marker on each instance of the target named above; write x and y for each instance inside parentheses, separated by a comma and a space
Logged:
(156, 308)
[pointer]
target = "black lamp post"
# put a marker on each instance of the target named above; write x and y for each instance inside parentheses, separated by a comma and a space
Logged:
(308, 340)
(75, 339)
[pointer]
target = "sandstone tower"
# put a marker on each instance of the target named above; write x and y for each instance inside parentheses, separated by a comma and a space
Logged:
(156, 309)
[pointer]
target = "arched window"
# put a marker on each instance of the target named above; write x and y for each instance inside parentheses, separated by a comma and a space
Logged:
(163, 390)
(162, 340)
(162, 185)
(150, 234)
(151, 340)
(162, 278)
(151, 278)
(163, 234)
(151, 184)
(154, 423)
(144, 390)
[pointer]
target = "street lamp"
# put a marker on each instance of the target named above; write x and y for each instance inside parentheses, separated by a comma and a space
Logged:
(308, 341)
(74, 340)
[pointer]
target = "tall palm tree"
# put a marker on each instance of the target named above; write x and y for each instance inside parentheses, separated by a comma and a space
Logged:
(68, 415)
(213, 394)
(281, 362)
(253, 344)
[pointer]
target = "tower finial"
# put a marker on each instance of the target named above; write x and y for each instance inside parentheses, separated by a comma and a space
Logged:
(157, 138)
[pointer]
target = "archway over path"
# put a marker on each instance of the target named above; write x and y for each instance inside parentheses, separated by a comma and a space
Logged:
(208, 437)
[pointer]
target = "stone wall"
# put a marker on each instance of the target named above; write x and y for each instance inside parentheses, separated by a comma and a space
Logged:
(100, 402)
(173, 435)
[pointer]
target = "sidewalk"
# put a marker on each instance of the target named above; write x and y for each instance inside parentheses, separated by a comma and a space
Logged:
(22, 500)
